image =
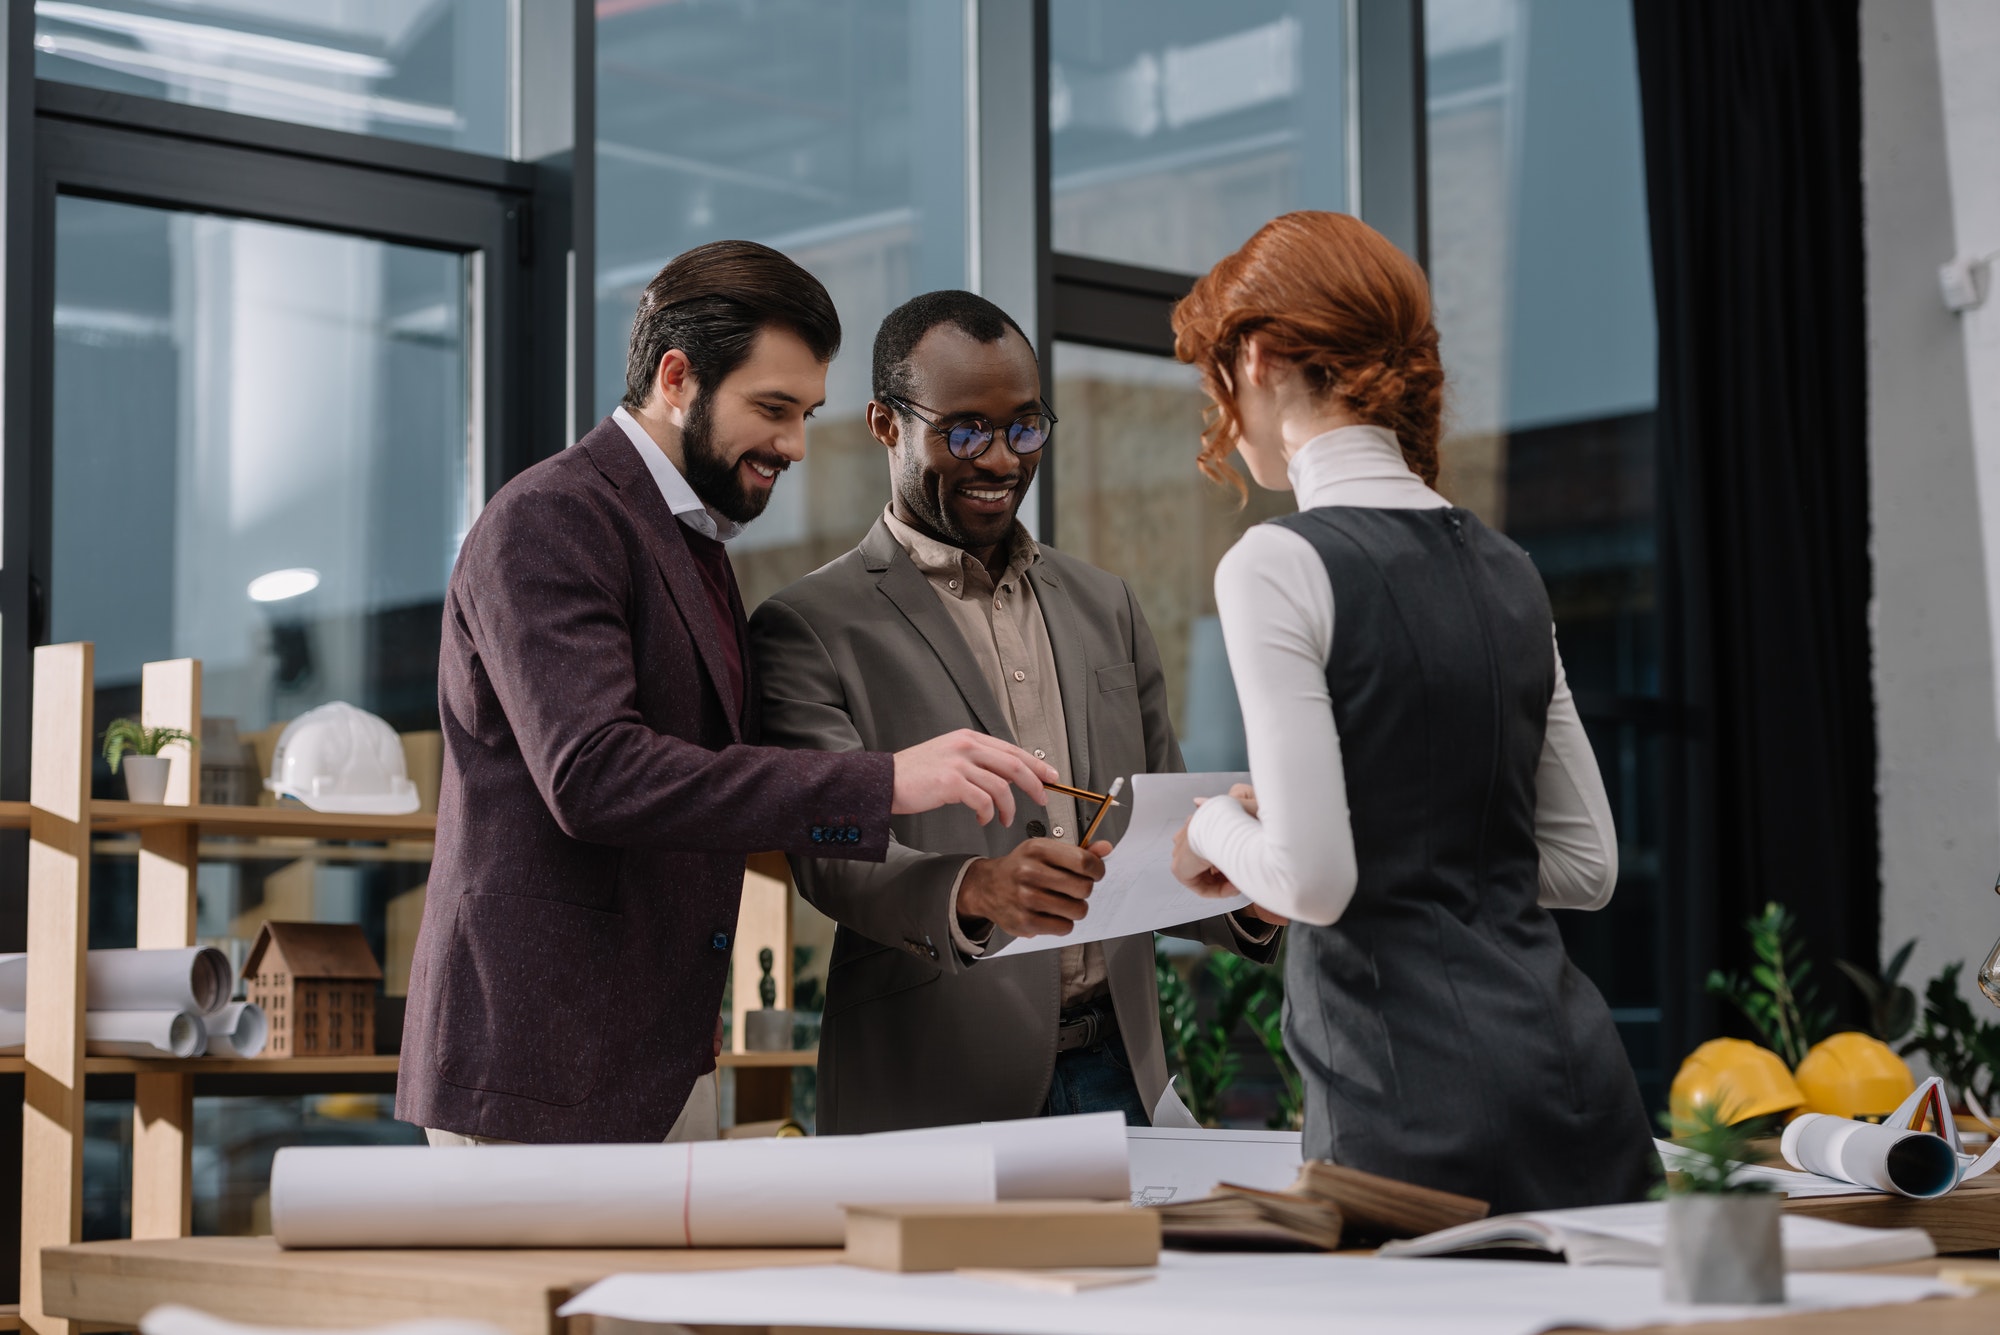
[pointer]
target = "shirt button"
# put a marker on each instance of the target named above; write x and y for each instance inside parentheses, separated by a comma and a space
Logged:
(1020, 675)
(951, 584)
(1057, 832)
(1041, 755)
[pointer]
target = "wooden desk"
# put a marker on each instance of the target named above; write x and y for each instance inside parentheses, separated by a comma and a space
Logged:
(251, 1279)
(112, 1284)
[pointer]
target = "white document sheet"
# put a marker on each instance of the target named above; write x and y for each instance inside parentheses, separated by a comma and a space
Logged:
(1139, 892)
(197, 978)
(1205, 1294)
(1786, 1180)
(143, 1034)
(716, 1193)
(1172, 1164)
(13, 1033)
(1082, 1157)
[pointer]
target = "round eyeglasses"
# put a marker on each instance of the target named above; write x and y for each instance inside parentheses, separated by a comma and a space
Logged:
(973, 436)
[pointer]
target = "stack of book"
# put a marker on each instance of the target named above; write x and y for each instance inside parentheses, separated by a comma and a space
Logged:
(1326, 1208)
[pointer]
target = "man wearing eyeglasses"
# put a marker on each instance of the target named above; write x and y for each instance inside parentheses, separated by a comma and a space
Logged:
(950, 615)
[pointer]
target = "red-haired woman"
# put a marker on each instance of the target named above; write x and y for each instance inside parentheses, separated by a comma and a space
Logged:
(1424, 793)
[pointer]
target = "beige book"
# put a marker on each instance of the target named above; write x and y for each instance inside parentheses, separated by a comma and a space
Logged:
(1002, 1235)
(1326, 1208)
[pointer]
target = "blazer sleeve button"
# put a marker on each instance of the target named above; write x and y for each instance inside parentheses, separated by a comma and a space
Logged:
(720, 941)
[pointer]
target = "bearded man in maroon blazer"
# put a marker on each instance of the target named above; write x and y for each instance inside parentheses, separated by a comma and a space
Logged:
(602, 778)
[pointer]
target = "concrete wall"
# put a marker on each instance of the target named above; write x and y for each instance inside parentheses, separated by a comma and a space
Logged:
(1934, 461)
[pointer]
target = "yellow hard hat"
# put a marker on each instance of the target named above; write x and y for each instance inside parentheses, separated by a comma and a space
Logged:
(1853, 1075)
(1739, 1078)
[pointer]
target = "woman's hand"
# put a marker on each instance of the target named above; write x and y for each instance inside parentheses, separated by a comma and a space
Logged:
(1196, 872)
(1246, 797)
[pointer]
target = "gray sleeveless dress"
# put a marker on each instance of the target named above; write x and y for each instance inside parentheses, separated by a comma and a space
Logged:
(1443, 1034)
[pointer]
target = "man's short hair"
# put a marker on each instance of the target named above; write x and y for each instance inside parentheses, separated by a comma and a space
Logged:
(970, 314)
(712, 302)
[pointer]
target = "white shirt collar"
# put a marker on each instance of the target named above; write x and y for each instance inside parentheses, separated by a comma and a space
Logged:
(674, 488)
(1357, 465)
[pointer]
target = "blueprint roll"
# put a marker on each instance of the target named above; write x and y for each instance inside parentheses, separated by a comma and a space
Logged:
(193, 978)
(1908, 1163)
(143, 1034)
(1084, 1156)
(717, 1193)
(237, 1030)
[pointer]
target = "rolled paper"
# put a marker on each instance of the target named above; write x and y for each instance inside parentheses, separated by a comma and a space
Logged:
(237, 1030)
(143, 1034)
(718, 1193)
(1909, 1163)
(191, 978)
(1084, 1156)
(13, 1033)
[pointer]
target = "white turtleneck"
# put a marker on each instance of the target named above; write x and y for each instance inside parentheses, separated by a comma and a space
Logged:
(1296, 856)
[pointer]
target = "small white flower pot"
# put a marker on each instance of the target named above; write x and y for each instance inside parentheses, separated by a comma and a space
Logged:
(146, 777)
(1723, 1248)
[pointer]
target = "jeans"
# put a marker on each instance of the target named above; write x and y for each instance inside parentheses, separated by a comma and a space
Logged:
(1096, 1079)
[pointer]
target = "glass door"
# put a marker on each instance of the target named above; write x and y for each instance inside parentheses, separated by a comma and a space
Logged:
(273, 394)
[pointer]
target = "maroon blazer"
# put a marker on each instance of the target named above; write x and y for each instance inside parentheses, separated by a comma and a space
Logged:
(599, 797)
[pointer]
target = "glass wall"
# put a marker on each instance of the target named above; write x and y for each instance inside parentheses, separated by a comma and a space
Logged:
(235, 400)
(1130, 500)
(1541, 268)
(1177, 128)
(433, 71)
(834, 132)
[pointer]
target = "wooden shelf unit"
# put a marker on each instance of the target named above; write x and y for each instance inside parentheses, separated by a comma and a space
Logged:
(63, 821)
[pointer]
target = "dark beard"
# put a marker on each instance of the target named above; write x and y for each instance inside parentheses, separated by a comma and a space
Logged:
(712, 476)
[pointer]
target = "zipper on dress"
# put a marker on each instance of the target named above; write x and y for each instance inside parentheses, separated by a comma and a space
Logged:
(1472, 591)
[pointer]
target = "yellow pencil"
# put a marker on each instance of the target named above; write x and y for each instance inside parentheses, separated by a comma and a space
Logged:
(1110, 801)
(1084, 793)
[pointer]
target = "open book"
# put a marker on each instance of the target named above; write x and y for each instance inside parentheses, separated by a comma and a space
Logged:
(1327, 1206)
(1634, 1235)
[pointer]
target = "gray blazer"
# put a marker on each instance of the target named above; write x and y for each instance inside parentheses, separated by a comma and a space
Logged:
(859, 654)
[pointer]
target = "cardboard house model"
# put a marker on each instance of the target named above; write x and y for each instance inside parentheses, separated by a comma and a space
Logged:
(316, 982)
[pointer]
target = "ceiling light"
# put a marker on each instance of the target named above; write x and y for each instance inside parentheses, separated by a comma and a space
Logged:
(279, 585)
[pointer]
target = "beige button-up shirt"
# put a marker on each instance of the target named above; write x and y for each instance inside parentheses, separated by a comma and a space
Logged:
(1001, 621)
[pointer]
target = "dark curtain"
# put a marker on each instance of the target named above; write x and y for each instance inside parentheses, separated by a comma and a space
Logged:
(1752, 112)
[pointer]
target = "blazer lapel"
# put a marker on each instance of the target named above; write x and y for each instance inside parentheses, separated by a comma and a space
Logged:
(904, 585)
(661, 532)
(1059, 614)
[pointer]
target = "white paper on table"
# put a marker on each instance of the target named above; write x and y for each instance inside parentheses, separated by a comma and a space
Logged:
(718, 1193)
(193, 978)
(1201, 1293)
(1636, 1234)
(1139, 893)
(170, 1319)
(13, 1033)
(1177, 1164)
(143, 1034)
(1079, 1157)
(239, 1029)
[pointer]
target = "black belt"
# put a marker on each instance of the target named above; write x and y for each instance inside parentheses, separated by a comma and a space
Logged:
(1086, 1027)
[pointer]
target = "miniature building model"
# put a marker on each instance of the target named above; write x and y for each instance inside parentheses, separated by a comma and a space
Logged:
(316, 983)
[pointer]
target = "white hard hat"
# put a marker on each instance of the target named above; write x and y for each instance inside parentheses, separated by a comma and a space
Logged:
(339, 758)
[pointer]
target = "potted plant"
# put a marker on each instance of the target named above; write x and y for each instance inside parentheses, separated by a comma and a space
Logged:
(139, 748)
(1723, 1241)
